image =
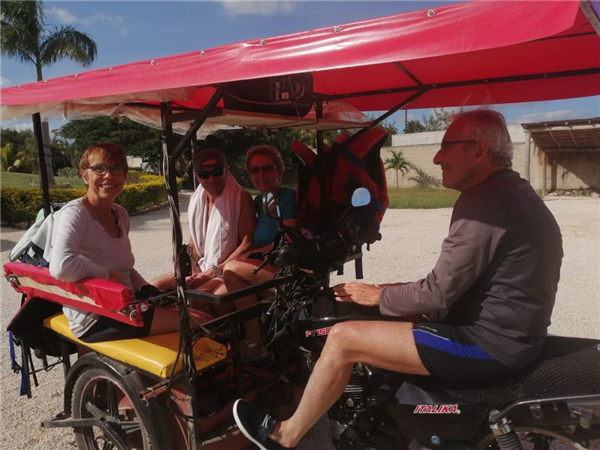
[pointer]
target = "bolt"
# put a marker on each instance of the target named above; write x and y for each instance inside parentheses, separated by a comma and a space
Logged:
(202, 53)
(336, 29)
(431, 13)
(262, 42)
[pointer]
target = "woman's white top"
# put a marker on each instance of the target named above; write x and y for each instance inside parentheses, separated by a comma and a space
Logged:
(82, 248)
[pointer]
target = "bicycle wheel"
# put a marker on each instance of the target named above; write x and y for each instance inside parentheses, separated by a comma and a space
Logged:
(101, 395)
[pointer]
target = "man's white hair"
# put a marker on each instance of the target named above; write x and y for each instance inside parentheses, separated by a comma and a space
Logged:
(489, 126)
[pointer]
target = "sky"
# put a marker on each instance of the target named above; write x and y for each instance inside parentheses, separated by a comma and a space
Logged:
(128, 31)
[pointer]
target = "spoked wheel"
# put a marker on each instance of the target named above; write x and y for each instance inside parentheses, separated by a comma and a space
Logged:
(532, 438)
(118, 421)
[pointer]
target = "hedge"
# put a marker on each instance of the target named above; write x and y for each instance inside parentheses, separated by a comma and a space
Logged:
(19, 205)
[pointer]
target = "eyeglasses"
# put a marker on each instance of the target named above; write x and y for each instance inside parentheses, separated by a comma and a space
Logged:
(101, 169)
(269, 168)
(205, 174)
(468, 141)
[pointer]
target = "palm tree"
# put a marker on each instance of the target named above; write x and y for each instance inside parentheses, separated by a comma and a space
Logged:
(25, 38)
(398, 163)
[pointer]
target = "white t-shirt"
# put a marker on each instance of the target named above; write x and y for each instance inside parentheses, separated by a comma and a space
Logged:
(81, 248)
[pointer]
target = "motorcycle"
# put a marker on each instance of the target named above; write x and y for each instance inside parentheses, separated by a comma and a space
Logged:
(553, 403)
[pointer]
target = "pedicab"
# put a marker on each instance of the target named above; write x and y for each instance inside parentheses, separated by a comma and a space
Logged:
(176, 390)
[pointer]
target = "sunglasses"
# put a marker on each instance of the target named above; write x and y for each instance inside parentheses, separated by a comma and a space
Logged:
(269, 168)
(205, 174)
(101, 169)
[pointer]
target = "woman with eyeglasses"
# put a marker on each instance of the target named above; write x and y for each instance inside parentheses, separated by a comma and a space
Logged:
(90, 240)
(265, 167)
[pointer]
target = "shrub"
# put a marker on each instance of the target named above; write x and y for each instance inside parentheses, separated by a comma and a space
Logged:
(68, 172)
(424, 180)
(22, 205)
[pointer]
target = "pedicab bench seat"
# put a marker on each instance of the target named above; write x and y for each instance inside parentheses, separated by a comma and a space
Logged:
(153, 354)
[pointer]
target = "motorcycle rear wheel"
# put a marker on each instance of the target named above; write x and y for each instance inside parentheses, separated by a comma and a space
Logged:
(533, 438)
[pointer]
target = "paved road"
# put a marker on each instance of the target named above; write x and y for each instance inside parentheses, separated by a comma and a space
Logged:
(410, 247)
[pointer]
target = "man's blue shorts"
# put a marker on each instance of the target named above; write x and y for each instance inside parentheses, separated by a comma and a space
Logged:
(450, 355)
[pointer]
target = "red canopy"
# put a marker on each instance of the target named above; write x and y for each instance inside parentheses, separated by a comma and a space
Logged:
(479, 52)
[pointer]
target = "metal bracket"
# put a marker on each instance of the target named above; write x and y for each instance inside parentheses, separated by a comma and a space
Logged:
(12, 278)
(536, 412)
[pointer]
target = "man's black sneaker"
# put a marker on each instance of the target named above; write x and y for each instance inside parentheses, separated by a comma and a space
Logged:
(255, 425)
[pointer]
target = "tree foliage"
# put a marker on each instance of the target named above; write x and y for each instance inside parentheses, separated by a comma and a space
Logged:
(436, 122)
(25, 37)
(398, 163)
(135, 139)
(18, 151)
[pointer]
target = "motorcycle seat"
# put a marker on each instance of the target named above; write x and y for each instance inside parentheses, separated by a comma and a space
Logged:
(567, 367)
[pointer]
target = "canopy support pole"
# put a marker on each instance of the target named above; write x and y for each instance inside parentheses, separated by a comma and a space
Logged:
(37, 130)
(384, 116)
(181, 265)
(216, 98)
(320, 147)
(590, 15)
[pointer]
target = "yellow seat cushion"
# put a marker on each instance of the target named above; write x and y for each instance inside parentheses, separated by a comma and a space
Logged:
(153, 354)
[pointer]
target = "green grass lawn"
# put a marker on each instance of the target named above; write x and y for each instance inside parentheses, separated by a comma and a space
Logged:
(421, 198)
(22, 180)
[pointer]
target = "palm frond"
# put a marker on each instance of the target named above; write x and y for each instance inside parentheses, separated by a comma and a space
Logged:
(22, 26)
(67, 42)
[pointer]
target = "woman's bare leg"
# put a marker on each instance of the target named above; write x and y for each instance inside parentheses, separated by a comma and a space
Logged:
(166, 320)
(238, 275)
(164, 282)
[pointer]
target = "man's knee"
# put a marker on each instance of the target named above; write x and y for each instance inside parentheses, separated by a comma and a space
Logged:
(340, 338)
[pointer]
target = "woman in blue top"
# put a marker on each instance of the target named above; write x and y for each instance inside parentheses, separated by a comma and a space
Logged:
(265, 167)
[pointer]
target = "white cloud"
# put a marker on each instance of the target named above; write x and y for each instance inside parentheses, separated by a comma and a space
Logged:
(551, 116)
(262, 8)
(4, 81)
(62, 15)
(65, 17)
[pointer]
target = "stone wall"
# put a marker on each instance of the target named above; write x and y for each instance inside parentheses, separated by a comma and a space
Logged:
(564, 171)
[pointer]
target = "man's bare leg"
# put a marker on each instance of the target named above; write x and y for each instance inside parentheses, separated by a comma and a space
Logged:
(347, 344)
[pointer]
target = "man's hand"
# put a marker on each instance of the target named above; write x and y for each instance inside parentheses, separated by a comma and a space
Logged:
(361, 293)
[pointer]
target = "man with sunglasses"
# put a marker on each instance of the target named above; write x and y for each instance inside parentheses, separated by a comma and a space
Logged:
(494, 286)
(221, 218)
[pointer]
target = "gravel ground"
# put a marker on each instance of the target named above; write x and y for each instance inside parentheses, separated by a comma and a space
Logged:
(408, 251)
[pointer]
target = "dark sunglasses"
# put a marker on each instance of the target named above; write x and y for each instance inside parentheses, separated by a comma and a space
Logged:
(205, 174)
(269, 168)
(101, 169)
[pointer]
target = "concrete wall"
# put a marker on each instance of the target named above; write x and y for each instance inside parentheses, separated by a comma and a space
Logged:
(564, 171)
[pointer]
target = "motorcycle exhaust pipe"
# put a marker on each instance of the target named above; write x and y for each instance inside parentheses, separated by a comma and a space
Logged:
(504, 432)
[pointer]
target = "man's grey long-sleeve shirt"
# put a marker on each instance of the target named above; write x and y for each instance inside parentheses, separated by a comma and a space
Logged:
(497, 273)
